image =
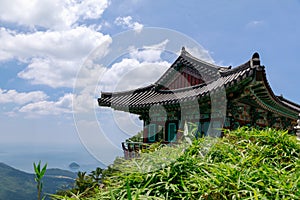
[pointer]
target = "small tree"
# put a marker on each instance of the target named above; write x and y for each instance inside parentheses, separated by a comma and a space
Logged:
(39, 174)
(96, 175)
(83, 182)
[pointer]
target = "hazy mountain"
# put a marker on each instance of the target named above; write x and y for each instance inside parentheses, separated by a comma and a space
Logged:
(18, 185)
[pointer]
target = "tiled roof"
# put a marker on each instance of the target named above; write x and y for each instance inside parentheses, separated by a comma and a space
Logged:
(151, 94)
(207, 70)
(288, 103)
(221, 77)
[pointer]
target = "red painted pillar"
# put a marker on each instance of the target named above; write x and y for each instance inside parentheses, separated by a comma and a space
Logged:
(145, 134)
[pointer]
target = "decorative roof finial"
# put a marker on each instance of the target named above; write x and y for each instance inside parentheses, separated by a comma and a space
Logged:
(255, 59)
(255, 56)
(183, 51)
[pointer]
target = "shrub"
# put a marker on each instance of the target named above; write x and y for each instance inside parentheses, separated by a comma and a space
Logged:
(244, 164)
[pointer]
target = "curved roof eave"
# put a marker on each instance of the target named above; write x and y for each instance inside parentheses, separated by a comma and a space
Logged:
(280, 105)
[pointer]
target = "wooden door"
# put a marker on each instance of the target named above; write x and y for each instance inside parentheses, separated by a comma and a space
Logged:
(172, 131)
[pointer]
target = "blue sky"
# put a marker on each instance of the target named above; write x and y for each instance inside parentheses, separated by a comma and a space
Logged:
(44, 44)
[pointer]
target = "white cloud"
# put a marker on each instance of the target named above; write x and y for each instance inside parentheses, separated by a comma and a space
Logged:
(69, 44)
(84, 102)
(51, 14)
(53, 57)
(143, 67)
(255, 23)
(35, 103)
(92, 9)
(131, 74)
(61, 106)
(54, 73)
(12, 96)
(127, 22)
(149, 53)
(84, 99)
(201, 54)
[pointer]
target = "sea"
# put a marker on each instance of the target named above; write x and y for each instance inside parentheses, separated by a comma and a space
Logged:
(22, 157)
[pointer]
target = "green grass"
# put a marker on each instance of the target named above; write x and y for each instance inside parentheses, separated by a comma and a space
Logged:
(244, 164)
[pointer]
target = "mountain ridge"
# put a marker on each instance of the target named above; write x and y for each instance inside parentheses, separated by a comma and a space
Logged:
(19, 185)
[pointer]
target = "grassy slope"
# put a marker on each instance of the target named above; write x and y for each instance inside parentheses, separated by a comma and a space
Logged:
(245, 164)
(15, 184)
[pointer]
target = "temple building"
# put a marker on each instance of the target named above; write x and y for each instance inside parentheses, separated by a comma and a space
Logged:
(211, 96)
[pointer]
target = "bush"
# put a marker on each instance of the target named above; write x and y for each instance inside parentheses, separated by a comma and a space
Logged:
(244, 164)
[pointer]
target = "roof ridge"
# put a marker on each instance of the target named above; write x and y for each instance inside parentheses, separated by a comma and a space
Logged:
(236, 69)
(185, 88)
(185, 54)
(130, 91)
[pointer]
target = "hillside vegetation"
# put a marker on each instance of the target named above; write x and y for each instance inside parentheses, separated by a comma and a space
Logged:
(244, 164)
(18, 185)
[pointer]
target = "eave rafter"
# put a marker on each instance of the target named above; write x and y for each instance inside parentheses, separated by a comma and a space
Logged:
(264, 96)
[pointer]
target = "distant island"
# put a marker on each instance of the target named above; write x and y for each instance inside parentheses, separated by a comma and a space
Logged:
(74, 166)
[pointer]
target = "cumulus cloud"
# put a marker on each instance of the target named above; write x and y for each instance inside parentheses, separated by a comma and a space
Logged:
(142, 68)
(148, 53)
(127, 22)
(53, 57)
(61, 106)
(53, 54)
(35, 103)
(202, 54)
(131, 74)
(51, 14)
(70, 44)
(12, 96)
(91, 9)
(51, 72)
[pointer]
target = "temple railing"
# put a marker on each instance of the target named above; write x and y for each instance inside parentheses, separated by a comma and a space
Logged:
(133, 149)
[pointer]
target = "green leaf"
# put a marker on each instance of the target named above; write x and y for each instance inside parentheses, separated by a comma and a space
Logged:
(112, 195)
(128, 191)
(35, 169)
(39, 167)
(43, 170)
